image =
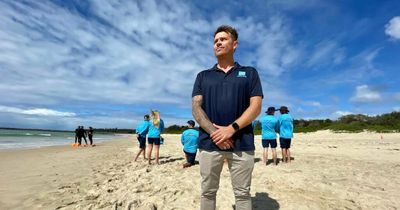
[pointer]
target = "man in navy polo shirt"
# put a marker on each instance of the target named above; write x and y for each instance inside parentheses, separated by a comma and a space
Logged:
(226, 99)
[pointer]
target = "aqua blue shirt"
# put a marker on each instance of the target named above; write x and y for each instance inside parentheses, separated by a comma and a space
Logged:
(286, 126)
(154, 132)
(143, 128)
(189, 140)
(269, 126)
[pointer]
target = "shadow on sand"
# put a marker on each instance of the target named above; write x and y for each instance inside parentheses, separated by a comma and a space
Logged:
(262, 202)
(171, 160)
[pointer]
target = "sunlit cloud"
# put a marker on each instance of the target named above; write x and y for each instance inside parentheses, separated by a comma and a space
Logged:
(36, 111)
(366, 94)
(392, 28)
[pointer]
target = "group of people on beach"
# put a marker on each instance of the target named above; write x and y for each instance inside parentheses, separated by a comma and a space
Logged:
(226, 99)
(270, 127)
(81, 133)
(149, 127)
(152, 126)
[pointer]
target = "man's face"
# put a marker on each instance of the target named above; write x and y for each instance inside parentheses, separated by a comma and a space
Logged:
(224, 44)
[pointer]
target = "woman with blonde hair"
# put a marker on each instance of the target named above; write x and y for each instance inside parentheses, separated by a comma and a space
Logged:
(153, 137)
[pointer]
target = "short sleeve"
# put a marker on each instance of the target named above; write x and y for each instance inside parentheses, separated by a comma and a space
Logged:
(197, 86)
(256, 88)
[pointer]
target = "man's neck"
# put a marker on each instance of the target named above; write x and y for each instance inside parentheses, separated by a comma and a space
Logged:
(225, 64)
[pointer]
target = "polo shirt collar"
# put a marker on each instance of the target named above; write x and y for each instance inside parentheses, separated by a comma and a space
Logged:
(236, 65)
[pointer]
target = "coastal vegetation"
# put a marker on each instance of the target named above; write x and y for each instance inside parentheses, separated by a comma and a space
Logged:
(389, 122)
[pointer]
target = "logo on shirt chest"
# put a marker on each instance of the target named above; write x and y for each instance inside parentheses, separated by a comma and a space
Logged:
(241, 74)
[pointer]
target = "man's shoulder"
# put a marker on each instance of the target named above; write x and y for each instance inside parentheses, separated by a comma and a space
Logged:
(206, 71)
(247, 68)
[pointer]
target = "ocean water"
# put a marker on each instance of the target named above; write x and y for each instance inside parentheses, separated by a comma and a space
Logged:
(21, 139)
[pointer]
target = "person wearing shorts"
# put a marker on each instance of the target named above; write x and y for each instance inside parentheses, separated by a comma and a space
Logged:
(269, 127)
(285, 133)
(141, 131)
(154, 136)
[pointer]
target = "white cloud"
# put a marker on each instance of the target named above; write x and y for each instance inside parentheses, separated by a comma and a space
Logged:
(141, 53)
(366, 94)
(342, 113)
(392, 28)
(36, 111)
(326, 52)
(339, 113)
(312, 103)
(396, 109)
(275, 50)
(127, 53)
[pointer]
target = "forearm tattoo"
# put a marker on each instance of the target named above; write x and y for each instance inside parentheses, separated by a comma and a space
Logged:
(200, 116)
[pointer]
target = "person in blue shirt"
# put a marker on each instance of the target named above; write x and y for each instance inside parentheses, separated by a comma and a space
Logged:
(141, 130)
(269, 127)
(154, 136)
(285, 133)
(189, 141)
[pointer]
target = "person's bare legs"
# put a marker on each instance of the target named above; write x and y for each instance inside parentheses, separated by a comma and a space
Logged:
(274, 156)
(137, 156)
(283, 155)
(187, 161)
(265, 155)
(150, 149)
(156, 153)
(144, 153)
(288, 154)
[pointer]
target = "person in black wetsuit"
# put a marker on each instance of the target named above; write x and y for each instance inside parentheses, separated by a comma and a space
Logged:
(90, 135)
(81, 134)
(76, 135)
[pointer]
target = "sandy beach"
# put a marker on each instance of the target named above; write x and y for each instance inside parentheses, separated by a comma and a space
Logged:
(328, 171)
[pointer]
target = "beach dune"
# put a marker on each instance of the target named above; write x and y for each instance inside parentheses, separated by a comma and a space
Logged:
(328, 171)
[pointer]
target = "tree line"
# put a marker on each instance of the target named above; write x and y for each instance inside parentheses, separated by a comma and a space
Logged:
(348, 123)
(389, 122)
(352, 123)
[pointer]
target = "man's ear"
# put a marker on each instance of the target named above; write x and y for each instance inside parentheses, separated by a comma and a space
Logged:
(235, 44)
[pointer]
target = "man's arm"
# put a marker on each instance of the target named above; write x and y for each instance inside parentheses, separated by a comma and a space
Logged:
(200, 116)
(226, 132)
(204, 122)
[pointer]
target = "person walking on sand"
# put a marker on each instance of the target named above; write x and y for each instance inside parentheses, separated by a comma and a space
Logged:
(141, 130)
(269, 127)
(153, 138)
(225, 100)
(285, 133)
(189, 141)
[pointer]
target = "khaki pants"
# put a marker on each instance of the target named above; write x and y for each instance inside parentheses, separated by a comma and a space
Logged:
(240, 165)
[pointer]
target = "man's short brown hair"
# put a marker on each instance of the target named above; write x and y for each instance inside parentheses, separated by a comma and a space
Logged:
(228, 29)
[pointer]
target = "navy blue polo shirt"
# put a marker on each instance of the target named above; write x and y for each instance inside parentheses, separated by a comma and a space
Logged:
(225, 97)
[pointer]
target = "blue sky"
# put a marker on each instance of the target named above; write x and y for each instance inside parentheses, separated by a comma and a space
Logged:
(107, 63)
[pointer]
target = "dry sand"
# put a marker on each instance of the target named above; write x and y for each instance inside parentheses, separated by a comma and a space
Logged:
(329, 171)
